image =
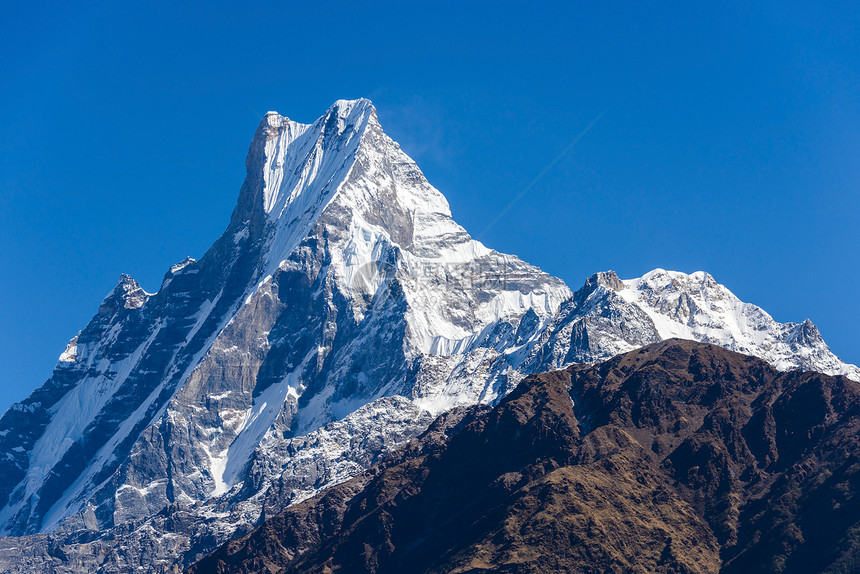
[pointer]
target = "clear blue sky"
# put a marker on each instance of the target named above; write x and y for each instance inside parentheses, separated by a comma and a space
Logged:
(730, 143)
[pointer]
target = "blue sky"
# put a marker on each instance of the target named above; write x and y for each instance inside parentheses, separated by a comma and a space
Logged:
(730, 140)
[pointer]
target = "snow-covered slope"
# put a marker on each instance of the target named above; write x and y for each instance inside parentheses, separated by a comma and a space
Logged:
(340, 311)
(608, 316)
(696, 307)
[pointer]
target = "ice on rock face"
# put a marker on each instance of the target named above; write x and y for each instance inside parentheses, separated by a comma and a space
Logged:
(340, 311)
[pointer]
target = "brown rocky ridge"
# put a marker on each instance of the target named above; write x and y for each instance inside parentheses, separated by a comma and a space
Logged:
(679, 457)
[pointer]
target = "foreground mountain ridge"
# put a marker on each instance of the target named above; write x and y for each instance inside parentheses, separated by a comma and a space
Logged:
(677, 457)
(339, 313)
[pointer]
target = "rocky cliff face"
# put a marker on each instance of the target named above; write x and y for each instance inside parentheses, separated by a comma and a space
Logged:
(678, 457)
(339, 313)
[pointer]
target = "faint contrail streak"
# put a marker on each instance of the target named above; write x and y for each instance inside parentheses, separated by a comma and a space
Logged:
(541, 174)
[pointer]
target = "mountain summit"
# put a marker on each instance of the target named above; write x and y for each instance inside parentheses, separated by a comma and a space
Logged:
(341, 279)
(341, 310)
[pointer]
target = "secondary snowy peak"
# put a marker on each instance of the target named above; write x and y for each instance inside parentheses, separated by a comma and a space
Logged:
(608, 316)
(127, 293)
(696, 307)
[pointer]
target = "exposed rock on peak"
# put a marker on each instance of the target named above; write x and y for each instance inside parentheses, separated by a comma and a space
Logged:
(182, 265)
(807, 335)
(127, 293)
(606, 279)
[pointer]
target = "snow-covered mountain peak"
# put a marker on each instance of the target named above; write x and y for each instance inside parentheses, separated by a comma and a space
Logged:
(695, 306)
(343, 109)
(343, 178)
(293, 169)
(694, 301)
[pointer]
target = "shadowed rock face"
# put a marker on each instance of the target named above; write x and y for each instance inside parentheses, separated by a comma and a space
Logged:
(678, 457)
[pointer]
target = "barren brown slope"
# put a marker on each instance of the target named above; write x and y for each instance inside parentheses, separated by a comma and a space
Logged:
(678, 457)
